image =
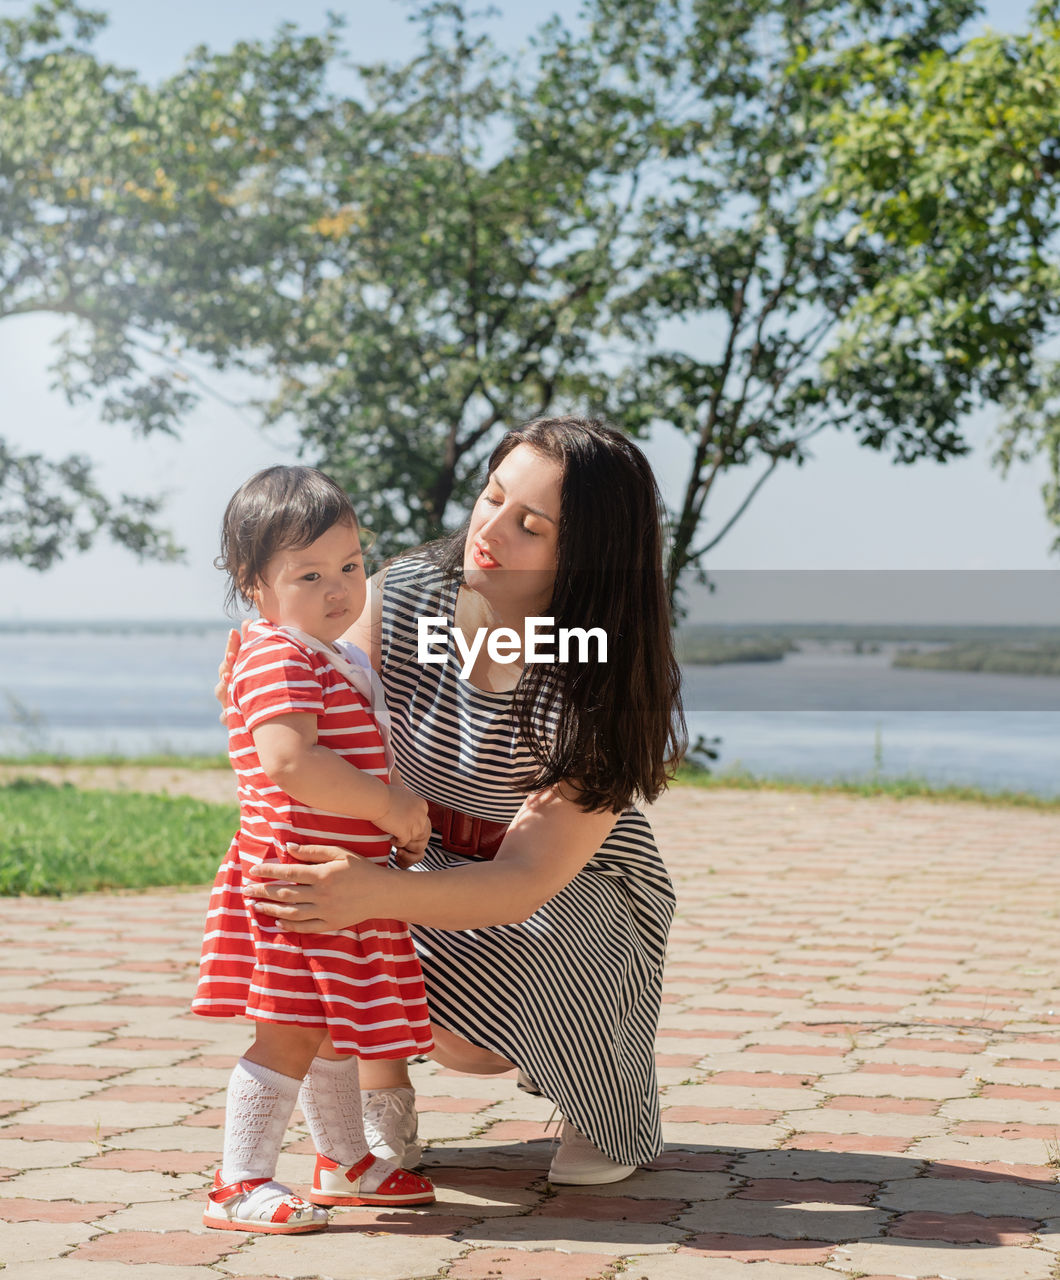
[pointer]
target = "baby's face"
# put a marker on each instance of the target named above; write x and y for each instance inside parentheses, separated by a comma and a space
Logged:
(319, 588)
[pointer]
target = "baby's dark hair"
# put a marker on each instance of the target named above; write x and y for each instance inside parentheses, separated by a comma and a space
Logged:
(279, 509)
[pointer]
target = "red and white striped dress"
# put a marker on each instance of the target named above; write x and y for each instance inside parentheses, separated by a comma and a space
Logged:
(363, 984)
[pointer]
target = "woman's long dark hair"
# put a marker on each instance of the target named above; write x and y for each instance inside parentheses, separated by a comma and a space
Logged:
(617, 730)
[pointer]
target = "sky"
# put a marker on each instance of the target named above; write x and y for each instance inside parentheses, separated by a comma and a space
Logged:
(848, 509)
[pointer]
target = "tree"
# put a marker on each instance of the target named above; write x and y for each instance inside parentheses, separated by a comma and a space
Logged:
(471, 239)
(156, 222)
(416, 265)
(954, 164)
(476, 236)
(753, 249)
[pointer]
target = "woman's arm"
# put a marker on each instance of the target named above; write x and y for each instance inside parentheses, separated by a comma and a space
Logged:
(547, 844)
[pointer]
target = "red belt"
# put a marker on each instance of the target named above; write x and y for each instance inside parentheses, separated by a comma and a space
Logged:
(465, 836)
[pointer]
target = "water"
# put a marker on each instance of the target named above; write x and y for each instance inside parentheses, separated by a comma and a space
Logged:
(827, 713)
(86, 692)
(822, 713)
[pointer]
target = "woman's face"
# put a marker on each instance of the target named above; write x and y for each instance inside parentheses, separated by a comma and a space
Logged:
(511, 551)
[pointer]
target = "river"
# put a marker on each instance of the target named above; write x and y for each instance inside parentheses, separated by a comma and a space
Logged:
(822, 713)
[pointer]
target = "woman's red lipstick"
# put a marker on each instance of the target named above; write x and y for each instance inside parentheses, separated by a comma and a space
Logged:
(483, 558)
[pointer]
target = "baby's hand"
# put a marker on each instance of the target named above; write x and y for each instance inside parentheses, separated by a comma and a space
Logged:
(408, 855)
(406, 818)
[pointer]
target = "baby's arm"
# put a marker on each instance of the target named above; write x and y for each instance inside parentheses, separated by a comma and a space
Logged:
(293, 759)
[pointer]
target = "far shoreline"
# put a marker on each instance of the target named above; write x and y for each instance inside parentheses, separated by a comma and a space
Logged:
(209, 777)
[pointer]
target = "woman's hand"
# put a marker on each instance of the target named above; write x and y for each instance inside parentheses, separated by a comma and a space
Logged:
(228, 662)
(329, 890)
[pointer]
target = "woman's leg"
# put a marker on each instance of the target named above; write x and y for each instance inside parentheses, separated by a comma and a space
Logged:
(458, 1054)
(450, 1050)
(389, 1101)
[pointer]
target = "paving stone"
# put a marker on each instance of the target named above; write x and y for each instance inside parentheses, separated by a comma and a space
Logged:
(14, 1210)
(120, 1116)
(441, 1126)
(696, 1161)
(103, 1055)
(855, 874)
(55, 1071)
(32, 1241)
(1003, 1110)
(135, 1161)
(514, 1264)
(167, 1215)
(169, 1248)
(23, 1038)
(821, 1164)
(593, 1208)
(965, 1147)
(868, 1084)
(92, 1185)
(953, 1262)
(892, 1124)
(573, 1235)
(962, 1228)
(674, 1116)
(79, 1269)
(754, 1249)
(807, 1191)
(743, 1098)
(168, 1138)
(1034, 1175)
(944, 1195)
(341, 1254)
(654, 1184)
(28, 1090)
(44, 1155)
(688, 1264)
(785, 1220)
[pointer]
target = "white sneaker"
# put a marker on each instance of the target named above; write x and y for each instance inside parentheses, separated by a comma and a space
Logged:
(579, 1163)
(391, 1125)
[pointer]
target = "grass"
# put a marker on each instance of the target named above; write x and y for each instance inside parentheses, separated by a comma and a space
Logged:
(897, 788)
(115, 760)
(58, 839)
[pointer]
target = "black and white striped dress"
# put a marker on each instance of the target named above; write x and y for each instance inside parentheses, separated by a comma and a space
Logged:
(572, 994)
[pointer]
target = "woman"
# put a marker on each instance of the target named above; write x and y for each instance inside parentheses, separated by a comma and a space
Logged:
(541, 910)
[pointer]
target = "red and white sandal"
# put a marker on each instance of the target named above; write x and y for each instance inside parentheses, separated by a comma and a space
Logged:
(335, 1183)
(259, 1204)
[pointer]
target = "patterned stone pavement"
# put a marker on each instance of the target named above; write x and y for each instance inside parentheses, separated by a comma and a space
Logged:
(859, 1060)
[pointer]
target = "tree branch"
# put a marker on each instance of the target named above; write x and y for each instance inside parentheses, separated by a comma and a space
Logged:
(692, 556)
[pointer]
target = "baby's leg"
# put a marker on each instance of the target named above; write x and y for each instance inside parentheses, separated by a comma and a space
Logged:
(385, 1073)
(347, 1172)
(285, 1048)
(261, 1096)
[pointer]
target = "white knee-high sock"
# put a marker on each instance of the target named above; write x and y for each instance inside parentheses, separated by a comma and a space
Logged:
(257, 1112)
(331, 1100)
